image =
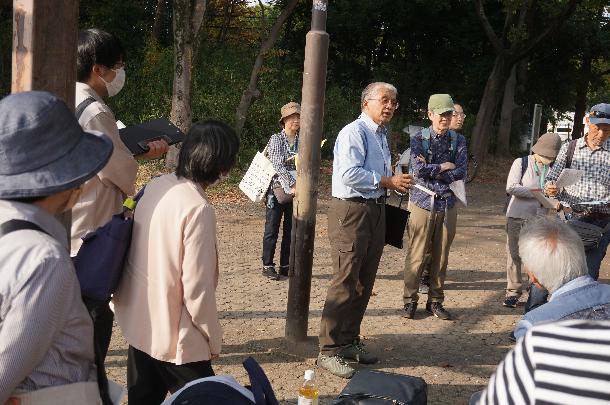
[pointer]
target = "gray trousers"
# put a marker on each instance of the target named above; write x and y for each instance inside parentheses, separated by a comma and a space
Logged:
(514, 279)
(357, 236)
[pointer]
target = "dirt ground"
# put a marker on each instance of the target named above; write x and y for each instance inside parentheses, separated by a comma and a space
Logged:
(456, 358)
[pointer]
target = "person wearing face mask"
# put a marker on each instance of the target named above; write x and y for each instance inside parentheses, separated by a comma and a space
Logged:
(165, 303)
(523, 206)
(100, 74)
(281, 150)
(46, 334)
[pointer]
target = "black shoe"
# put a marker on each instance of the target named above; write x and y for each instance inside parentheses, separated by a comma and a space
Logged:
(284, 271)
(511, 302)
(410, 309)
(270, 273)
(436, 309)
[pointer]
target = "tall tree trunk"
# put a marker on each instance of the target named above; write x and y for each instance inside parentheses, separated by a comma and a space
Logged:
(582, 89)
(188, 18)
(481, 133)
(251, 94)
(158, 22)
(506, 114)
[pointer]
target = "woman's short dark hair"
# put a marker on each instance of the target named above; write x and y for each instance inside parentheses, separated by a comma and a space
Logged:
(208, 150)
(97, 46)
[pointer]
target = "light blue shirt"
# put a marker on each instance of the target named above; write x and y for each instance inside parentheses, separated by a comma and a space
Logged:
(524, 324)
(361, 157)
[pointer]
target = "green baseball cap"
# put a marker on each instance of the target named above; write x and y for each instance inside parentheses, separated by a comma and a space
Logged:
(440, 103)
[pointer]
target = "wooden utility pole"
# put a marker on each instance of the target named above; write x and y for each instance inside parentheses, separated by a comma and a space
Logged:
(45, 34)
(308, 174)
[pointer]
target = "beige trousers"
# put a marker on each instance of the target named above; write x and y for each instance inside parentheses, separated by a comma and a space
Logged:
(69, 394)
(428, 232)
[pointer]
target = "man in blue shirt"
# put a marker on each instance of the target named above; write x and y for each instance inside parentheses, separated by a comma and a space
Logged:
(439, 157)
(356, 226)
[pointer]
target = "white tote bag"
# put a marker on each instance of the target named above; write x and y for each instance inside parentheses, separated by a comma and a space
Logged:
(256, 180)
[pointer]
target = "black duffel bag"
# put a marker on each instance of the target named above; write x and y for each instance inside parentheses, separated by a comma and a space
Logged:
(372, 387)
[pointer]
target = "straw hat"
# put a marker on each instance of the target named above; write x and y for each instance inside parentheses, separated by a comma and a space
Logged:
(288, 109)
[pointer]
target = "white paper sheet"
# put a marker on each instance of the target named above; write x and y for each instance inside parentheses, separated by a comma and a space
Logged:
(567, 177)
(119, 124)
(459, 190)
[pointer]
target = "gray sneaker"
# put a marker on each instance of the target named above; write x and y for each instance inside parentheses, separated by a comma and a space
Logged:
(336, 365)
(357, 352)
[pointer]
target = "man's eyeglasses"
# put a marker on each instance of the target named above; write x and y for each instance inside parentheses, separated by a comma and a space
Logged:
(460, 115)
(386, 101)
(599, 114)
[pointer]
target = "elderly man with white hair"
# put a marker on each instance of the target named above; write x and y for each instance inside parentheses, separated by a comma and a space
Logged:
(554, 257)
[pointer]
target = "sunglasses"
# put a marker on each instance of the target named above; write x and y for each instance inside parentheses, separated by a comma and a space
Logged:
(599, 114)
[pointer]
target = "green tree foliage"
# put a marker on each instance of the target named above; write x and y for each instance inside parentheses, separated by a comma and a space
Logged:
(421, 46)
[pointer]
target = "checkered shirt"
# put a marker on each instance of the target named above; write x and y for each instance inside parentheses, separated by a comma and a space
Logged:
(278, 152)
(595, 182)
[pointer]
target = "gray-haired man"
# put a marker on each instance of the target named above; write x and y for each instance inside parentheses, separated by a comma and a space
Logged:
(46, 334)
(554, 257)
(356, 226)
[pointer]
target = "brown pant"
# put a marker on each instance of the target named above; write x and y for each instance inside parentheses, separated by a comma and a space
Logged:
(432, 233)
(357, 235)
(514, 281)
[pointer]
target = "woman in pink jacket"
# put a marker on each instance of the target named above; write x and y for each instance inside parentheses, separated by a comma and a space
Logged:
(166, 303)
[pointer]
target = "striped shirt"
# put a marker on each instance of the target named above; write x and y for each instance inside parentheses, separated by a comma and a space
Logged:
(595, 182)
(565, 362)
(46, 334)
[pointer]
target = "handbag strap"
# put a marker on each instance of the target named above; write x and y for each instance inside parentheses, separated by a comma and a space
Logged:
(261, 388)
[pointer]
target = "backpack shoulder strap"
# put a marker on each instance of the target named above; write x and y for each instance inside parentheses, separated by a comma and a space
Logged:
(425, 143)
(80, 109)
(524, 163)
(453, 144)
(18, 225)
(570, 153)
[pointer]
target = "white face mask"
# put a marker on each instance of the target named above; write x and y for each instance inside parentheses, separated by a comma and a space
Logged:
(116, 85)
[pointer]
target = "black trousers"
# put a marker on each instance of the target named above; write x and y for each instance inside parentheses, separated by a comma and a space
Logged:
(274, 214)
(102, 318)
(149, 379)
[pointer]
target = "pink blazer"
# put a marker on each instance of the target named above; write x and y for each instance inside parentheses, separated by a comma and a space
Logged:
(166, 302)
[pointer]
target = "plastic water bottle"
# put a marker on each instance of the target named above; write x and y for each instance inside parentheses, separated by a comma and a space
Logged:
(308, 393)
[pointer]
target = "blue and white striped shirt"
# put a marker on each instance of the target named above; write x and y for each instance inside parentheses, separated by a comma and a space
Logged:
(46, 334)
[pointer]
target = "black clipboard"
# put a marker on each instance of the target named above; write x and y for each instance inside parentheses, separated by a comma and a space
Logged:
(395, 223)
(137, 136)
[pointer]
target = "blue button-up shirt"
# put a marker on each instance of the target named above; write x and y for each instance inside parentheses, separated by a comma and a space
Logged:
(362, 156)
(429, 174)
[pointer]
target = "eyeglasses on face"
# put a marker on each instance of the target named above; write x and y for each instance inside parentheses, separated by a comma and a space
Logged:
(459, 115)
(387, 101)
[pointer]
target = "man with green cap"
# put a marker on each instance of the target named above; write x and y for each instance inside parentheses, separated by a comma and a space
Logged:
(439, 157)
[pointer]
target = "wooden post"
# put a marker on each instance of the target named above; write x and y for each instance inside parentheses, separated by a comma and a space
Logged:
(305, 202)
(45, 34)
